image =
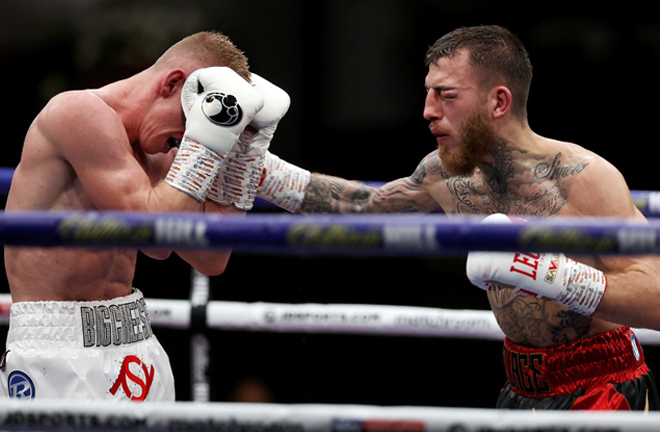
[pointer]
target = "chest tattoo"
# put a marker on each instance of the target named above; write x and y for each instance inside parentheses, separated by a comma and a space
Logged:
(554, 170)
(520, 183)
(538, 187)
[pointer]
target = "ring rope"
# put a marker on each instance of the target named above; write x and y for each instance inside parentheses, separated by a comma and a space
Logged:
(648, 202)
(306, 318)
(267, 417)
(375, 320)
(327, 235)
(200, 345)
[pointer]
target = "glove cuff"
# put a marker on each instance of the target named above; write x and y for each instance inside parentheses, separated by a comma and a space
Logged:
(256, 143)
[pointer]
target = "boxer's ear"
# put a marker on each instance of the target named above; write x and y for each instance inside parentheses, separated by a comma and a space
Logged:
(171, 82)
(500, 100)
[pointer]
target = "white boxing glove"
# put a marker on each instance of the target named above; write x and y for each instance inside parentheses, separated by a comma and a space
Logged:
(241, 173)
(218, 116)
(575, 285)
(215, 119)
(192, 88)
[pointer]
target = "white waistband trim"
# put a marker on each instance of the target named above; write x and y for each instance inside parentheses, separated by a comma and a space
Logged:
(107, 323)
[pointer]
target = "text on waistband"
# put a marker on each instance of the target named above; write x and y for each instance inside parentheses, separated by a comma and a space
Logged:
(115, 324)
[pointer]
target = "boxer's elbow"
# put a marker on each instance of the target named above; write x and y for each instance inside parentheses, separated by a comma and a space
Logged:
(159, 254)
(215, 266)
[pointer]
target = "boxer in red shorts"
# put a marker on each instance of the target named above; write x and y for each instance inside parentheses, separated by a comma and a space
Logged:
(603, 372)
(490, 161)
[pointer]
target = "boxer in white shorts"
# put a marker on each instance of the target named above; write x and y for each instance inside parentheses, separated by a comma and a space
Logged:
(101, 350)
(77, 327)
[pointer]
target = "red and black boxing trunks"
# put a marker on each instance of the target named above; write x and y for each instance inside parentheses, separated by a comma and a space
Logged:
(602, 372)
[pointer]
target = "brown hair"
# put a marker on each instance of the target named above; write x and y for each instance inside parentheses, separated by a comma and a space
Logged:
(496, 54)
(206, 49)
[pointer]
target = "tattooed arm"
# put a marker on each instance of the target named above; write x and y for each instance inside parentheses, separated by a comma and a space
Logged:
(326, 194)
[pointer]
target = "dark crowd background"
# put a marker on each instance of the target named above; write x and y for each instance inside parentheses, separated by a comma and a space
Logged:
(355, 72)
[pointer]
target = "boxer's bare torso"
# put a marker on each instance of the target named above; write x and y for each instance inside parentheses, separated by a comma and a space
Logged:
(550, 183)
(547, 179)
(46, 180)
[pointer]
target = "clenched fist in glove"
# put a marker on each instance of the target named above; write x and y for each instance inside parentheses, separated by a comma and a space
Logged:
(218, 104)
(240, 175)
(552, 275)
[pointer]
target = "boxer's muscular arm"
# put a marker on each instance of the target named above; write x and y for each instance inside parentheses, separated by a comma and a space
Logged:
(633, 282)
(211, 262)
(208, 262)
(326, 194)
(630, 294)
(92, 139)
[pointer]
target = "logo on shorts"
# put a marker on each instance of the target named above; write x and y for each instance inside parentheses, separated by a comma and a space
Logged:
(222, 109)
(634, 346)
(20, 385)
(135, 382)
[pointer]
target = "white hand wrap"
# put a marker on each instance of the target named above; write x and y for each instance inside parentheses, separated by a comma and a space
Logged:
(283, 184)
(237, 181)
(193, 169)
(575, 285)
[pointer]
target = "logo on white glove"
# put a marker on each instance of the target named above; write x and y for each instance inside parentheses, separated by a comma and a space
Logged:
(222, 109)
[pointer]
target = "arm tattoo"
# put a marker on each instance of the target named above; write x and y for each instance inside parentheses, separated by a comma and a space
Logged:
(430, 165)
(334, 195)
(325, 194)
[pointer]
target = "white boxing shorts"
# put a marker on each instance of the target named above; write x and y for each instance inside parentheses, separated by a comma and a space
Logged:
(98, 350)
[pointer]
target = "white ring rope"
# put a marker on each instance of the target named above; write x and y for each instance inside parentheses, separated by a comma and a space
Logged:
(332, 318)
(248, 417)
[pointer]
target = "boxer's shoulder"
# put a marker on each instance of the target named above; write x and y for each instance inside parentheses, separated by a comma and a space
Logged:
(597, 187)
(585, 180)
(75, 117)
(80, 107)
(565, 159)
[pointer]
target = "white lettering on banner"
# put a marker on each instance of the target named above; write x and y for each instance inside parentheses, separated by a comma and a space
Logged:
(418, 238)
(180, 231)
(654, 201)
(631, 240)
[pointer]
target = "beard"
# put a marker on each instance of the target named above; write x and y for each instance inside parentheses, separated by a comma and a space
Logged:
(477, 138)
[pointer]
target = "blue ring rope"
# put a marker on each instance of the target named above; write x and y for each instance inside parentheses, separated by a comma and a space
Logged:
(327, 235)
(648, 202)
(6, 175)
